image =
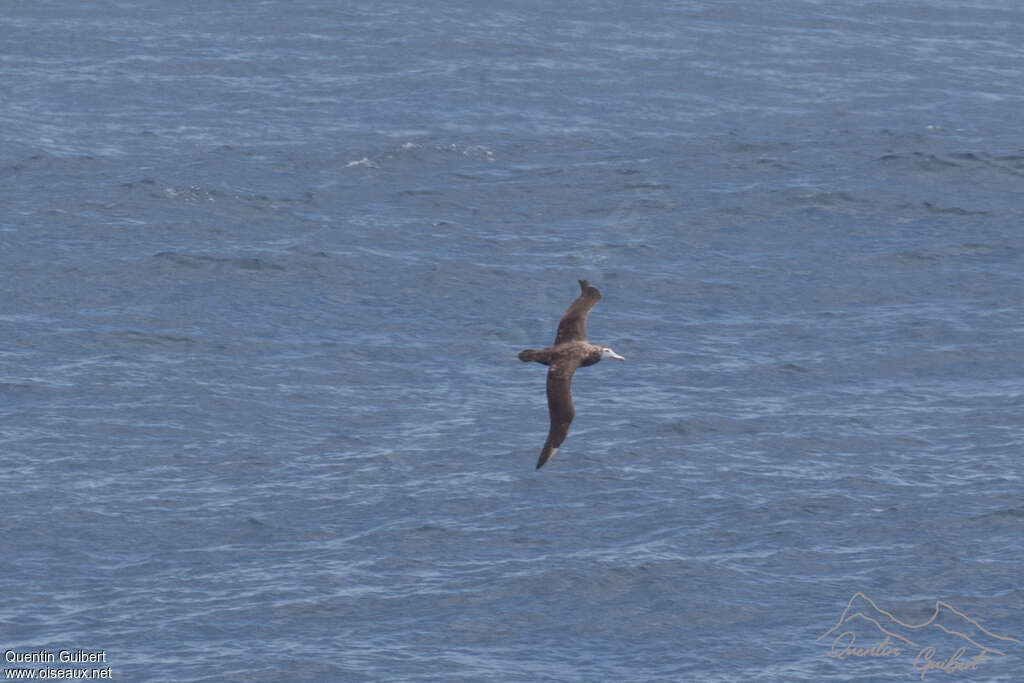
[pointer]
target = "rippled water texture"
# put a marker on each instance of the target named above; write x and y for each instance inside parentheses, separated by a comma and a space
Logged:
(267, 267)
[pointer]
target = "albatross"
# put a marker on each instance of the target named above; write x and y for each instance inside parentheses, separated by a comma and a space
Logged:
(571, 350)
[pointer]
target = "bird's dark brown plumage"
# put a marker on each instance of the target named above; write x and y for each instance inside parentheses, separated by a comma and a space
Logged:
(573, 325)
(570, 351)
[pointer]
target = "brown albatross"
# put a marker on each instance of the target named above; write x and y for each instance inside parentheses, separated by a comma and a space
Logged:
(571, 350)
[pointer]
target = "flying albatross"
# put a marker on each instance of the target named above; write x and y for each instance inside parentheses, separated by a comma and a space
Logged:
(571, 350)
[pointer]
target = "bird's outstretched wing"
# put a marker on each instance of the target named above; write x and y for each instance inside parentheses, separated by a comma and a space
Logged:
(573, 325)
(560, 406)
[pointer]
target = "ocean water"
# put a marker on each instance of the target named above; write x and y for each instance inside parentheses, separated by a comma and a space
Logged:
(267, 267)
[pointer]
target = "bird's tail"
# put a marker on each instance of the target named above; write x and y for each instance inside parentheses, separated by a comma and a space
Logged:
(530, 355)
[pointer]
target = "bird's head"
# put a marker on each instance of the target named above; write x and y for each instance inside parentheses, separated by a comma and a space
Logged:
(606, 352)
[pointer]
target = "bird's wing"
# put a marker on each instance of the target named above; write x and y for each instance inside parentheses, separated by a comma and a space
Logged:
(573, 325)
(559, 406)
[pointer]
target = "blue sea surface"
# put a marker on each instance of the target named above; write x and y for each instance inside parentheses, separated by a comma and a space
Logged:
(267, 267)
